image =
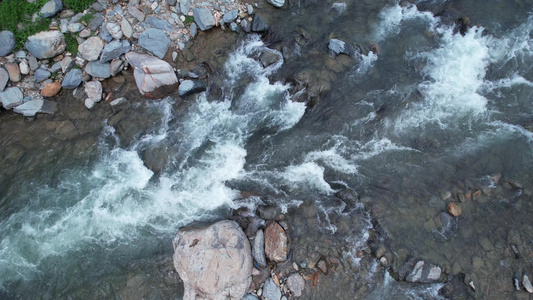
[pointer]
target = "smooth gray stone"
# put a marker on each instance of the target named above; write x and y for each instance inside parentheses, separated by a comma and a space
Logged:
(75, 27)
(98, 7)
(193, 29)
(234, 27)
(115, 30)
(72, 79)
(340, 47)
(21, 54)
(116, 66)
(250, 297)
(203, 18)
(96, 22)
(189, 87)
(172, 2)
(46, 44)
(137, 14)
(49, 9)
(230, 16)
(271, 291)
(155, 41)
(30, 108)
(104, 33)
(112, 51)
(55, 67)
(246, 25)
(11, 97)
(258, 249)
(33, 62)
(259, 24)
(4, 78)
(276, 3)
(158, 23)
(185, 6)
(98, 69)
(7, 42)
(41, 75)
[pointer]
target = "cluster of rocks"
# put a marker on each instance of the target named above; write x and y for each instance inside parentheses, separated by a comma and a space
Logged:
(105, 33)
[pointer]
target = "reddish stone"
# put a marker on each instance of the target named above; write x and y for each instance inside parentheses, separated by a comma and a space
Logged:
(51, 89)
(275, 242)
(454, 210)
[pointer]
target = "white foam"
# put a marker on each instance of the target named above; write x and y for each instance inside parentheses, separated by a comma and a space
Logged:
(393, 16)
(308, 175)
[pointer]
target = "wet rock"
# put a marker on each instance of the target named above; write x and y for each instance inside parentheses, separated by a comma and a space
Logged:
(11, 97)
(527, 283)
(205, 257)
(155, 157)
(258, 249)
(259, 24)
(30, 108)
(155, 78)
(296, 284)
(51, 89)
(98, 69)
(421, 271)
(190, 87)
(137, 14)
(454, 210)
(91, 48)
(113, 50)
(268, 58)
(158, 23)
(203, 18)
(126, 28)
(155, 41)
(7, 42)
(185, 6)
(4, 78)
(271, 291)
(276, 3)
(72, 79)
(89, 103)
(93, 90)
(49, 9)
(62, 130)
(41, 75)
(230, 16)
(119, 101)
(13, 71)
(337, 47)
(46, 44)
(276, 242)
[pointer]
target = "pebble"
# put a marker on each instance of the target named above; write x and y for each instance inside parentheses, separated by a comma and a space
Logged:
(4, 78)
(24, 67)
(114, 30)
(14, 72)
(454, 210)
(51, 89)
(85, 33)
(41, 75)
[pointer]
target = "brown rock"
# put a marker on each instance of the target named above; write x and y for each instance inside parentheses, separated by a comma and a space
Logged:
(276, 242)
(51, 89)
(323, 265)
(14, 72)
(454, 210)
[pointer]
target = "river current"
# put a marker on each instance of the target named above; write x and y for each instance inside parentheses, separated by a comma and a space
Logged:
(424, 114)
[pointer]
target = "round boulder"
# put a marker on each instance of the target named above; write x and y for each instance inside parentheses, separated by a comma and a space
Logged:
(7, 42)
(46, 44)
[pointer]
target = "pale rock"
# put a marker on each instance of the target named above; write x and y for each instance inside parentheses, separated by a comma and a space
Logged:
(66, 64)
(527, 284)
(155, 78)
(276, 3)
(91, 48)
(296, 284)
(89, 103)
(85, 33)
(46, 44)
(98, 69)
(93, 90)
(126, 28)
(30, 108)
(114, 30)
(24, 67)
(118, 101)
(7, 42)
(258, 248)
(11, 97)
(75, 27)
(185, 6)
(271, 291)
(137, 14)
(116, 66)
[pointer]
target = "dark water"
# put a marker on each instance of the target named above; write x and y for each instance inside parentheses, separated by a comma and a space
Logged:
(426, 121)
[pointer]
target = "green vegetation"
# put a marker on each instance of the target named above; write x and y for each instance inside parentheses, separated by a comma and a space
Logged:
(72, 44)
(78, 5)
(87, 18)
(188, 20)
(15, 12)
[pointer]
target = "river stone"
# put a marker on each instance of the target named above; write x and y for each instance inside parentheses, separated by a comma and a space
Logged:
(11, 97)
(112, 51)
(137, 14)
(527, 284)
(24, 67)
(30, 108)
(155, 41)
(34, 64)
(55, 67)
(275, 242)
(72, 79)
(276, 3)
(118, 101)
(155, 78)
(93, 90)
(234, 27)
(98, 7)
(189, 87)
(250, 297)
(337, 47)
(98, 69)
(193, 29)
(41, 75)
(205, 257)
(116, 66)
(114, 30)
(96, 22)
(75, 27)
(158, 23)
(51, 89)
(259, 24)
(203, 18)
(46, 44)
(7, 42)
(66, 64)
(271, 291)
(126, 28)
(258, 248)
(91, 48)
(49, 9)
(454, 209)
(268, 58)
(4, 78)
(89, 103)
(13, 71)
(230, 16)
(185, 6)
(421, 271)
(296, 284)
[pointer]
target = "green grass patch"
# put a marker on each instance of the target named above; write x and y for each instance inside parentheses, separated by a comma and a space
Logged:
(188, 20)
(16, 15)
(72, 44)
(78, 5)
(87, 18)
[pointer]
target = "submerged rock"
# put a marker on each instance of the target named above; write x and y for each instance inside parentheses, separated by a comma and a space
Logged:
(259, 24)
(337, 47)
(416, 270)
(190, 87)
(213, 262)
(276, 242)
(155, 78)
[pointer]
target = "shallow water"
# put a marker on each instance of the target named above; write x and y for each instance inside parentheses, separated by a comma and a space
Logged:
(430, 117)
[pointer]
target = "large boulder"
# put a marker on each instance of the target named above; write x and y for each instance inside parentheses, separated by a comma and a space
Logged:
(155, 41)
(214, 262)
(91, 48)
(155, 78)
(46, 44)
(7, 42)
(203, 18)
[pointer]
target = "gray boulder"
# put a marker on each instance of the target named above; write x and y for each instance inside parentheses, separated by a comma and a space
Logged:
(259, 24)
(91, 48)
(203, 18)
(7, 42)
(114, 30)
(155, 41)
(189, 87)
(98, 69)
(337, 47)
(258, 249)
(4, 78)
(46, 44)
(30, 108)
(96, 22)
(158, 23)
(11, 97)
(214, 262)
(155, 78)
(230, 16)
(271, 291)
(137, 14)
(93, 90)
(41, 75)
(49, 9)
(113, 50)
(276, 3)
(72, 79)
(185, 6)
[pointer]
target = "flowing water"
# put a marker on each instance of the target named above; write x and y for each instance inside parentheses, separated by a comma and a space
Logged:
(424, 114)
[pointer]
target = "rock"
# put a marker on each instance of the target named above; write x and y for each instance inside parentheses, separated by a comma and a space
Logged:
(516, 280)
(114, 30)
(258, 249)
(420, 271)
(246, 25)
(24, 67)
(185, 6)
(98, 69)
(49, 9)
(205, 257)
(340, 47)
(453, 209)
(275, 242)
(93, 90)
(189, 87)
(230, 16)
(97, 6)
(30, 108)
(11, 97)
(96, 22)
(172, 2)
(75, 27)
(268, 58)
(55, 67)
(250, 297)
(268, 212)
(118, 101)
(7, 42)
(34, 65)
(271, 291)
(234, 27)
(116, 66)
(13, 71)
(112, 51)
(89, 103)
(155, 41)
(296, 284)
(193, 29)
(137, 14)
(46, 44)
(158, 23)
(155, 78)
(259, 24)
(41, 75)
(51, 89)
(4, 78)
(91, 48)
(276, 3)
(203, 18)
(126, 28)
(72, 79)
(527, 284)
(66, 64)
